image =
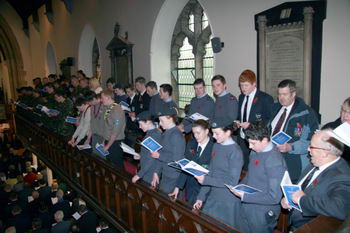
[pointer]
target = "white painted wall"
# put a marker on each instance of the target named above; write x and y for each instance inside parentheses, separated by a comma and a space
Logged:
(151, 22)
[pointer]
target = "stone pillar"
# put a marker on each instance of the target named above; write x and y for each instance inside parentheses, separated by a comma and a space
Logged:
(35, 161)
(262, 52)
(49, 176)
(308, 18)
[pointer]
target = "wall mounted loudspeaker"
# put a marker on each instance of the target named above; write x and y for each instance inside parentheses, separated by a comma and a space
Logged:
(216, 44)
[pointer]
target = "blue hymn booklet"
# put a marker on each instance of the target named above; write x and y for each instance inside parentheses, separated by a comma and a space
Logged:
(151, 144)
(71, 120)
(288, 189)
(99, 148)
(281, 138)
(190, 167)
(244, 188)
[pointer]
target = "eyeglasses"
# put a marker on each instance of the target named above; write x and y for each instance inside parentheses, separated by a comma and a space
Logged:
(317, 148)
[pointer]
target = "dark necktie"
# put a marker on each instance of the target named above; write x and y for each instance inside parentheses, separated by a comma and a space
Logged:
(198, 152)
(280, 122)
(308, 178)
(245, 110)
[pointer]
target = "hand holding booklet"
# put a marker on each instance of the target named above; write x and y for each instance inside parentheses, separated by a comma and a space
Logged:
(99, 148)
(288, 189)
(128, 149)
(281, 138)
(243, 188)
(190, 167)
(151, 144)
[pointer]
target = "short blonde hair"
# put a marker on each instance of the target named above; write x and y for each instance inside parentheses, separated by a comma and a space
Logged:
(94, 83)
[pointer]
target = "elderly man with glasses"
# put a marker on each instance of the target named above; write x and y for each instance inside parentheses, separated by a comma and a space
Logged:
(325, 183)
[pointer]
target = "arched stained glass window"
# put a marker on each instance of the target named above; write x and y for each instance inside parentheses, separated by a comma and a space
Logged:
(191, 52)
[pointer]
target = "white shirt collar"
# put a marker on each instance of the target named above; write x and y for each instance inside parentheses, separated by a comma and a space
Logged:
(203, 145)
(268, 148)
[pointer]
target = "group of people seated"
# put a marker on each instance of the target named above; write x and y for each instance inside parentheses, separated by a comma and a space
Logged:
(235, 139)
(28, 204)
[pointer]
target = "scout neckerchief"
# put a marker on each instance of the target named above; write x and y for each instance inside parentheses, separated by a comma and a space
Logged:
(109, 109)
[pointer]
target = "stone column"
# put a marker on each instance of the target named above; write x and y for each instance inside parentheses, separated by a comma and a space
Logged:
(49, 176)
(308, 18)
(35, 161)
(262, 52)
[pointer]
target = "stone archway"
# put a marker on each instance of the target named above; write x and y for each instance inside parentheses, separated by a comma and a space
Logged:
(86, 45)
(12, 58)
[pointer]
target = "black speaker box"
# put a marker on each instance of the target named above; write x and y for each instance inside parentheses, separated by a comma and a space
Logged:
(216, 44)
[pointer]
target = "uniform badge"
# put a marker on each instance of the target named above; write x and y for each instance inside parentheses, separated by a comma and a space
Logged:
(116, 122)
(298, 130)
(141, 106)
(192, 151)
(255, 100)
(213, 154)
(258, 116)
(315, 182)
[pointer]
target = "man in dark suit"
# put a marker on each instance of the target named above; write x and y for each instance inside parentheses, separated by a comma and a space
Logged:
(88, 221)
(199, 151)
(325, 184)
(60, 226)
(292, 116)
(254, 105)
(143, 99)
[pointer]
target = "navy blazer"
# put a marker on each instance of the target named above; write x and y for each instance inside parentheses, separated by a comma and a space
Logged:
(261, 107)
(327, 195)
(143, 102)
(186, 180)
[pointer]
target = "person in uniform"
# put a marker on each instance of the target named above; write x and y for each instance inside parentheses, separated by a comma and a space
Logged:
(254, 105)
(166, 91)
(96, 121)
(147, 163)
(156, 101)
(83, 128)
(173, 150)
(119, 94)
(113, 130)
(226, 104)
(143, 99)
(224, 168)
(65, 108)
(202, 103)
(260, 210)
(198, 150)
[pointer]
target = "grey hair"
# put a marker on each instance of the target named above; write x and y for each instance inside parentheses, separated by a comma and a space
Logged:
(334, 145)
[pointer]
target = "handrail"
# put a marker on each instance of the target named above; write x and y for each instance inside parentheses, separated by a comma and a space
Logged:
(129, 207)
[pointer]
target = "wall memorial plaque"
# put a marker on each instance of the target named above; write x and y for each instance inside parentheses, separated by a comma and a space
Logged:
(289, 47)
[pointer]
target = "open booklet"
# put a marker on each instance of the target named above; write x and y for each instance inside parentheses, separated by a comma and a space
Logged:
(84, 147)
(281, 138)
(342, 133)
(288, 188)
(151, 144)
(197, 116)
(125, 106)
(190, 167)
(244, 188)
(71, 120)
(99, 148)
(49, 111)
(128, 149)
